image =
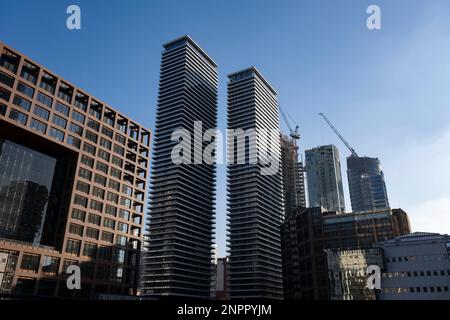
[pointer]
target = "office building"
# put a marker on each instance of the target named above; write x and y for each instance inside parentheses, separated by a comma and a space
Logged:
(178, 259)
(417, 267)
(366, 184)
(324, 180)
(73, 176)
(255, 200)
(309, 232)
(293, 179)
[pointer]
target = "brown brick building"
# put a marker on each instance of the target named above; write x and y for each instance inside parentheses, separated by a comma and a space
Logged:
(73, 180)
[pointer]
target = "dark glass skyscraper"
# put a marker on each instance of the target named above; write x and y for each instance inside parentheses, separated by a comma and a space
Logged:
(177, 261)
(255, 200)
(366, 184)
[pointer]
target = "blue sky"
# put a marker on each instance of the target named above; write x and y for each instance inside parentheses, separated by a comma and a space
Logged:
(387, 91)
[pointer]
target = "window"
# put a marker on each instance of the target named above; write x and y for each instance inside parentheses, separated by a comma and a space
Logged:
(25, 89)
(5, 79)
(68, 263)
(73, 246)
(89, 250)
(93, 124)
(30, 262)
(117, 161)
(108, 236)
(78, 117)
(5, 94)
(119, 255)
(119, 150)
(81, 101)
(29, 72)
(76, 229)
(65, 92)
(105, 143)
(74, 141)
(21, 102)
(121, 240)
(112, 197)
(103, 154)
(97, 206)
(122, 227)
(38, 125)
(60, 122)
(100, 179)
(98, 192)
(57, 134)
(78, 215)
(125, 202)
(83, 187)
(114, 185)
(81, 201)
(18, 116)
(48, 83)
(91, 136)
(41, 112)
(112, 211)
(120, 138)
(124, 214)
(87, 161)
(109, 223)
(89, 148)
(94, 219)
(2, 109)
(44, 99)
(116, 173)
(95, 110)
(50, 265)
(107, 132)
(127, 190)
(85, 174)
(102, 167)
(92, 233)
(75, 128)
(61, 108)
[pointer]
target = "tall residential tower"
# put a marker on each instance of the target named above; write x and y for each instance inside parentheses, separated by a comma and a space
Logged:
(324, 180)
(177, 261)
(255, 200)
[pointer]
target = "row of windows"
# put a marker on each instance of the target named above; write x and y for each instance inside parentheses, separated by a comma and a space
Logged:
(417, 258)
(30, 262)
(427, 273)
(30, 72)
(437, 289)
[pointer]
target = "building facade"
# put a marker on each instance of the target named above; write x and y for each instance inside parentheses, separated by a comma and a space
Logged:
(417, 267)
(309, 232)
(324, 179)
(73, 175)
(178, 259)
(255, 200)
(366, 184)
(221, 279)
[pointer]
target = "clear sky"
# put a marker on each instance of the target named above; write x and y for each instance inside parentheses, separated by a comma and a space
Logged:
(387, 91)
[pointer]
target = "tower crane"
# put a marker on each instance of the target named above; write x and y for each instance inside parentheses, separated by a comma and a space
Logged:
(294, 134)
(354, 154)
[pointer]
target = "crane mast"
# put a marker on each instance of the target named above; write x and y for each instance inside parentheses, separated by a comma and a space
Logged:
(340, 136)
